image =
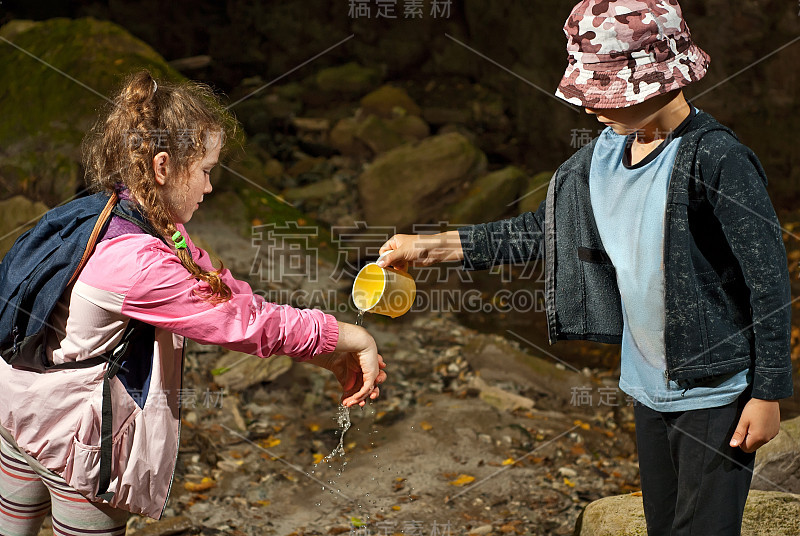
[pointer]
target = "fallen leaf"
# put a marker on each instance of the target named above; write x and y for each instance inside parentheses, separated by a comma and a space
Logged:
(425, 425)
(318, 457)
(462, 480)
(580, 423)
(569, 482)
(396, 508)
(314, 427)
(203, 485)
(270, 442)
(508, 461)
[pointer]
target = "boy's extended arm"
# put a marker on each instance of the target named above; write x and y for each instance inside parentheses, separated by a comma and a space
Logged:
(512, 241)
(516, 240)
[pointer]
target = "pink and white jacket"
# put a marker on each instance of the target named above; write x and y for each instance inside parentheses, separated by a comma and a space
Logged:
(56, 416)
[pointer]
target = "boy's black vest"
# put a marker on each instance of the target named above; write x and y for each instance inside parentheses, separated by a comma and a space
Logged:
(34, 274)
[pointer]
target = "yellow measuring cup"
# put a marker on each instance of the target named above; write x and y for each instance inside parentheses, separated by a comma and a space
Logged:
(385, 291)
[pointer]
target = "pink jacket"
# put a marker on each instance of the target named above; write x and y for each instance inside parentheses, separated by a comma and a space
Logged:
(56, 416)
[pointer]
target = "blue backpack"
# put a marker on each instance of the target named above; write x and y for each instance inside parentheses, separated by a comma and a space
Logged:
(34, 274)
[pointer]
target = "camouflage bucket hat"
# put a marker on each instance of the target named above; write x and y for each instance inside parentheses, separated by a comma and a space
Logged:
(622, 52)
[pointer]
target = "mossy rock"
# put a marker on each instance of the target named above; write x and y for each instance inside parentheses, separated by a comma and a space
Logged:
(489, 197)
(45, 113)
(389, 101)
(534, 192)
(767, 513)
(777, 464)
(348, 78)
(414, 182)
(17, 215)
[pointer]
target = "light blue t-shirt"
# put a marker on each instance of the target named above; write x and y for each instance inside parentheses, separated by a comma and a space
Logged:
(629, 205)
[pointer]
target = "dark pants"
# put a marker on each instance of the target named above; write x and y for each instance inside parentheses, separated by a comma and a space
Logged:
(693, 482)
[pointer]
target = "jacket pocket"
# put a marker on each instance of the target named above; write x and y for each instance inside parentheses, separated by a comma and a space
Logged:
(82, 469)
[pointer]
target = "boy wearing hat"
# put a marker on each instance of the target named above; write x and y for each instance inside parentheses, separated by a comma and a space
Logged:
(658, 235)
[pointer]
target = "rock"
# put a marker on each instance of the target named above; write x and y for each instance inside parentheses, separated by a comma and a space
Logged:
(500, 399)
(315, 190)
(17, 215)
(45, 114)
(381, 135)
(343, 138)
(771, 513)
(273, 168)
(166, 527)
(488, 198)
(348, 78)
(777, 464)
(495, 360)
(410, 127)
(412, 183)
(621, 515)
(237, 371)
(191, 63)
(306, 165)
(311, 124)
(376, 134)
(389, 101)
(767, 513)
(535, 192)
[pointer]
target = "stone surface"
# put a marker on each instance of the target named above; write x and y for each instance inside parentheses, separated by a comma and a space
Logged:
(767, 513)
(534, 192)
(315, 190)
(539, 378)
(343, 138)
(777, 466)
(376, 134)
(488, 198)
(17, 215)
(389, 101)
(45, 114)
(348, 78)
(411, 184)
(238, 371)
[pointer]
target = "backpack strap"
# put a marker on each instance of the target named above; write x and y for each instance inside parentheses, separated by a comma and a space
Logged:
(98, 228)
(106, 430)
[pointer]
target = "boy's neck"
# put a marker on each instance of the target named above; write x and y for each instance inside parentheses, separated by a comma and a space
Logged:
(664, 121)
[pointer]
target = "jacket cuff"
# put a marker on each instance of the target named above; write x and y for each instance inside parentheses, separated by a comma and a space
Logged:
(472, 235)
(772, 384)
(330, 334)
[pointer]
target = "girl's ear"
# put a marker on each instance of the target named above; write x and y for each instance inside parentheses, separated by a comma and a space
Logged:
(160, 167)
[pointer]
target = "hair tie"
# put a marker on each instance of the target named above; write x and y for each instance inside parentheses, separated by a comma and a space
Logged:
(179, 240)
(155, 85)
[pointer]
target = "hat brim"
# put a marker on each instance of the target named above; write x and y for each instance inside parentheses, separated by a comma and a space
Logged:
(618, 88)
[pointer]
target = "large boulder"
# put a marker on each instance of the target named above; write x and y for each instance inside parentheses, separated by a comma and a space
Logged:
(17, 215)
(539, 378)
(48, 104)
(388, 101)
(489, 197)
(767, 513)
(412, 183)
(778, 462)
(535, 192)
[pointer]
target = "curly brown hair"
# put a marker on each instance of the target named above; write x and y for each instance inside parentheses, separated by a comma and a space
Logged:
(145, 118)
